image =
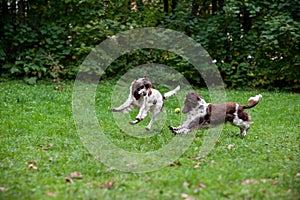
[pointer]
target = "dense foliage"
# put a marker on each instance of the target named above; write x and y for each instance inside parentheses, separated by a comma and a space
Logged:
(254, 43)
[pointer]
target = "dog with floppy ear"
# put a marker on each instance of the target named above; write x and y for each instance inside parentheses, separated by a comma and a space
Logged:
(206, 115)
(146, 99)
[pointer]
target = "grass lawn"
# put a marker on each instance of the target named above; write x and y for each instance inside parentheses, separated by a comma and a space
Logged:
(42, 156)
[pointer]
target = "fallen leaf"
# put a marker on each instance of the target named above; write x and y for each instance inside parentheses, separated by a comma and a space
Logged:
(248, 181)
(197, 165)
(44, 148)
(185, 184)
(264, 180)
(51, 193)
(148, 180)
(47, 147)
(186, 196)
(3, 189)
(200, 158)
(219, 177)
(201, 185)
(173, 164)
(275, 182)
(76, 175)
(69, 180)
(229, 147)
(131, 165)
(110, 169)
(107, 185)
(212, 162)
(298, 174)
(89, 184)
(32, 166)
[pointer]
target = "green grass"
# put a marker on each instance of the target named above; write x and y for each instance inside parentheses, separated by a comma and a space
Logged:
(37, 129)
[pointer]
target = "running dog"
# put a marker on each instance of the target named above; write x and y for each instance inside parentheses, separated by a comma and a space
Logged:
(206, 115)
(146, 99)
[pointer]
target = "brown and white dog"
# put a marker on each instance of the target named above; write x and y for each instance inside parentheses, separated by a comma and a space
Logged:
(147, 99)
(206, 115)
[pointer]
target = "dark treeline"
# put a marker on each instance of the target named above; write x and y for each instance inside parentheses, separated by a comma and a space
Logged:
(254, 43)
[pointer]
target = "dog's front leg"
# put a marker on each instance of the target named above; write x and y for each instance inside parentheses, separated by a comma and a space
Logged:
(142, 114)
(189, 125)
(179, 130)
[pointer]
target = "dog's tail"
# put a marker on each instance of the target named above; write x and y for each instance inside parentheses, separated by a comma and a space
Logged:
(172, 92)
(253, 101)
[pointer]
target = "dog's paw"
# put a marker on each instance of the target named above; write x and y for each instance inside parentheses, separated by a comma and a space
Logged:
(172, 130)
(137, 120)
(132, 123)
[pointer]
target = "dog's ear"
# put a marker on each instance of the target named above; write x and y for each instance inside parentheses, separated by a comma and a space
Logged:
(197, 96)
(136, 95)
(147, 83)
(134, 89)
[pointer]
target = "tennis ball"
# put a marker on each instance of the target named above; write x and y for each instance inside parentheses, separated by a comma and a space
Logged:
(177, 110)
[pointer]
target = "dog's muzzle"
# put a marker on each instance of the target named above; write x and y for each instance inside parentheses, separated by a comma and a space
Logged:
(143, 92)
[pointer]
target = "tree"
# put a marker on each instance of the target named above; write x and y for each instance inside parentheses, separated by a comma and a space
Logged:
(255, 43)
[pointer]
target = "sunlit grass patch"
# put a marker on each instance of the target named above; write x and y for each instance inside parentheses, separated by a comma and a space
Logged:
(40, 148)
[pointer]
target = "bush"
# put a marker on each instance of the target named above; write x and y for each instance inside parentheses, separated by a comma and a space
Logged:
(255, 44)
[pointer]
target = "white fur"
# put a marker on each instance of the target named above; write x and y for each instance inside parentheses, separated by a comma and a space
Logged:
(194, 116)
(244, 125)
(151, 100)
(256, 98)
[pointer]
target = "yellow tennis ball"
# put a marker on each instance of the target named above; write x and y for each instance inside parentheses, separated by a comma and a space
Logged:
(177, 110)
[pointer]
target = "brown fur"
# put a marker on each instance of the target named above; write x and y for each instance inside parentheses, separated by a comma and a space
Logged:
(137, 86)
(205, 115)
(217, 113)
(220, 113)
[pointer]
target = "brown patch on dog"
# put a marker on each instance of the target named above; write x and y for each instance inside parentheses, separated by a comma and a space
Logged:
(191, 101)
(217, 113)
(149, 92)
(220, 113)
(136, 87)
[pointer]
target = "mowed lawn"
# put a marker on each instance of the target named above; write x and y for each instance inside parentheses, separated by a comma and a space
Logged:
(42, 156)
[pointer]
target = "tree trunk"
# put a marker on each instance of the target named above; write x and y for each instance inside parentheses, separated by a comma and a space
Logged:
(195, 7)
(214, 7)
(166, 6)
(173, 6)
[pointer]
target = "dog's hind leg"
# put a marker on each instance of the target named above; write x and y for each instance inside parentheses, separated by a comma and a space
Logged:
(245, 128)
(243, 125)
(148, 127)
(125, 107)
(157, 109)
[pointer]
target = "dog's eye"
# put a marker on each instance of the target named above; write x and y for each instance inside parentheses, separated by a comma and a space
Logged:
(140, 88)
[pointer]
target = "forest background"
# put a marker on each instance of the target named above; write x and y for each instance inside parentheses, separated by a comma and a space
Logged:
(255, 44)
